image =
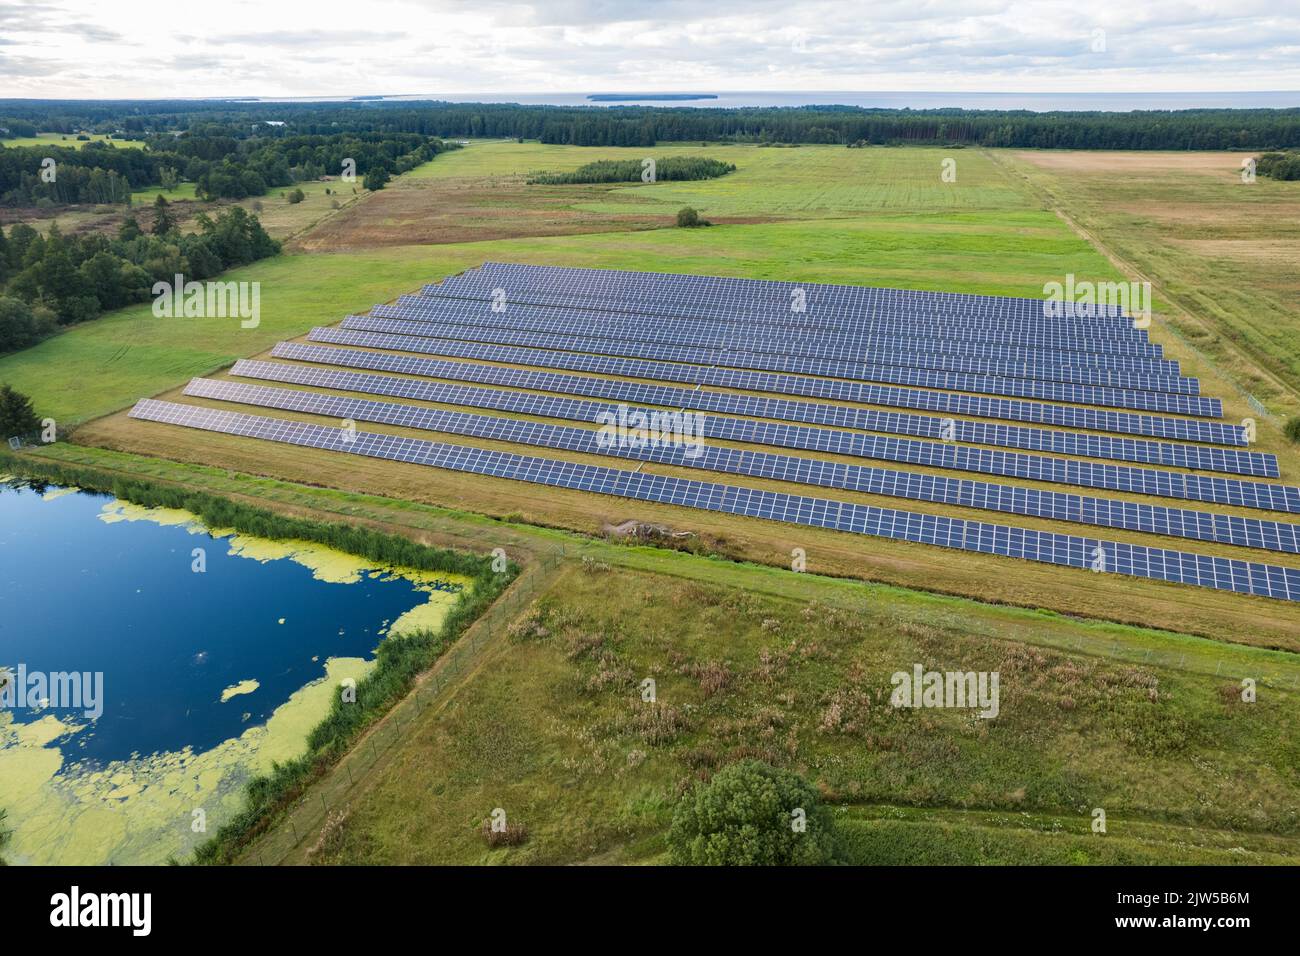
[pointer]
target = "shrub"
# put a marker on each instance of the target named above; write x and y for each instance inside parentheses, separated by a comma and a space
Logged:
(21, 325)
(745, 816)
(377, 178)
(1292, 429)
(295, 197)
(688, 218)
(658, 723)
(1284, 166)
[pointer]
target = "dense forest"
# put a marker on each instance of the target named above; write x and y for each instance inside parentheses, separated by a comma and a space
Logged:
(648, 125)
(223, 161)
(54, 280)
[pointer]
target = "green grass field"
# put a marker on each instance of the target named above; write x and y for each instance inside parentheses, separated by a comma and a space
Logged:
(551, 726)
(1220, 251)
(994, 242)
(804, 182)
(149, 194)
(1189, 775)
(67, 139)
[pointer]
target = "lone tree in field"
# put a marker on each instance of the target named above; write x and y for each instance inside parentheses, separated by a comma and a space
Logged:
(163, 221)
(688, 218)
(752, 814)
(377, 178)
(16, 414)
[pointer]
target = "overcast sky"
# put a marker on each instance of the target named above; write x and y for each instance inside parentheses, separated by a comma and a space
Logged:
(159, 48)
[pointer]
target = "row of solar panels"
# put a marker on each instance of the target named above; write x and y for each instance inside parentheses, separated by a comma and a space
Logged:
(685, 449)
(823, 354)
(821, 297)
(1107, 556)
(955, 453)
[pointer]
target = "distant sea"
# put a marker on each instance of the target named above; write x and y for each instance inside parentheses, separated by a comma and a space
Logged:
(1038, 102)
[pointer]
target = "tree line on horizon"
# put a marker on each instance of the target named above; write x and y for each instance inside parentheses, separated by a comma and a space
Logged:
(1196, 129)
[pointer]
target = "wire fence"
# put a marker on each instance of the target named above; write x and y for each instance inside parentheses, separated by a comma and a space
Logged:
(1255, 404)
(311, 812)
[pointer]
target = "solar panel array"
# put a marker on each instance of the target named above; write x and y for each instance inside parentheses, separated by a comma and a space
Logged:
(893, 350)
(978, 406)
(884, 335)
(822, 309)
(814, 374)
(1085, 553)
(850, 300)
(1105, 512)
(948, 455)
(922, 378)
(901, 423)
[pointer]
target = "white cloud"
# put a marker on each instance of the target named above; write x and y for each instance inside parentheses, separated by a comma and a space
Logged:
(151, 48)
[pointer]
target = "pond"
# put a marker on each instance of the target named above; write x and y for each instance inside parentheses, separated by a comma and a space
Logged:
(151, 666)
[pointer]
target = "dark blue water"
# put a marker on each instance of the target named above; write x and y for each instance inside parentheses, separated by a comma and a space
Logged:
(81, 594)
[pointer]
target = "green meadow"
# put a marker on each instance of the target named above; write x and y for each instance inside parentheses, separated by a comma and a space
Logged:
(553, 727)
(66, 139)
(874, 217)
(150, 193)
